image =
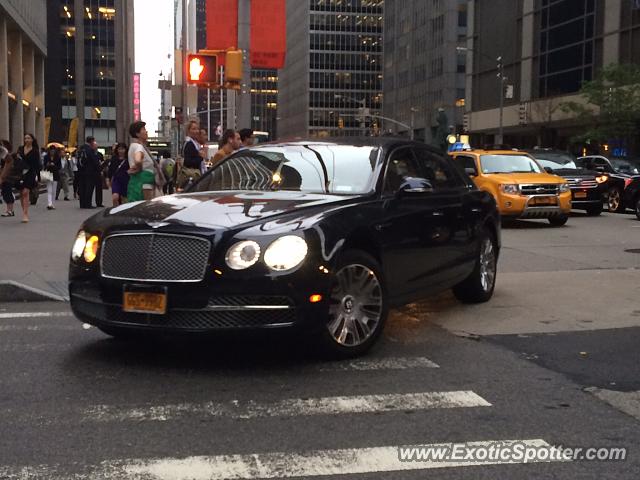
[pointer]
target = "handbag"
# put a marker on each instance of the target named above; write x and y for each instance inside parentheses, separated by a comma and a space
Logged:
(185, 174)
(46, 176)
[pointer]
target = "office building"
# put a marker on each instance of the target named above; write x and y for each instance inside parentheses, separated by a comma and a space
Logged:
(333, 72)
(90, 72)
(23, 47)
(264, 92)
(423, 67)
(548, 47)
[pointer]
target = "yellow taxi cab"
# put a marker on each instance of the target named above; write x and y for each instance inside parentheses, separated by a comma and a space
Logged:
(521, 187)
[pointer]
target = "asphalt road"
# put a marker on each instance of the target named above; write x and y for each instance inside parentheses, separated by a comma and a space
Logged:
(551, 360)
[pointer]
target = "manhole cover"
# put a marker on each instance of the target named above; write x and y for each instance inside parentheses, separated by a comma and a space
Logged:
(633, 250)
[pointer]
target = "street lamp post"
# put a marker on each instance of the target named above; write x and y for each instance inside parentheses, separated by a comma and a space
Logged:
(501, 79)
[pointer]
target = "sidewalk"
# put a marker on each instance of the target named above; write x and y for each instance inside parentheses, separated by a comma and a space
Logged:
(37, 253)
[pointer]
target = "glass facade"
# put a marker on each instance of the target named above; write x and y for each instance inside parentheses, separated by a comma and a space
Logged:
(345, 66)
(423, 71)
(566, 45)
(264, 91)
(98, 41)
(264, 101)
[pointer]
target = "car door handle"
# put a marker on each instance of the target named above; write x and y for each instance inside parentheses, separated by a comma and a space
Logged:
(476, 210)
(437, 213)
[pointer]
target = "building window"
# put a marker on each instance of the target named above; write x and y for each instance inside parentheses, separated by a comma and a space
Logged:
(566, 52)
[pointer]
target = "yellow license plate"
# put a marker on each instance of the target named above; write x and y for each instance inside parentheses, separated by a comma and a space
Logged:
(543, 201)
(581, 194)
(144, 302)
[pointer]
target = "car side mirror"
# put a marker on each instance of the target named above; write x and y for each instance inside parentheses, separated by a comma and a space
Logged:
(548, 169)
(412, 186)
(471, 171)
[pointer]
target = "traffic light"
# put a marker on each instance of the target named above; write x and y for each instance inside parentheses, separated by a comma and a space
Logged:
(233, 69)
(202, 69)
(465, 122)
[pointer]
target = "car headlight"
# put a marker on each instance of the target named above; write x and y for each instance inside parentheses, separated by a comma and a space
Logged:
(510, 188)
(78, 245)
(285, 253)
(564, 187)
(602, 178)
(91, 249)
(243, 255)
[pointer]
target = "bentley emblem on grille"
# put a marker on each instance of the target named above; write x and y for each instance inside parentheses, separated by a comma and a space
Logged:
(157, 224)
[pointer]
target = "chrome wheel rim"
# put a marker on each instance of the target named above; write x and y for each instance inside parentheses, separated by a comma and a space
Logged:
(356, 306)
(487, 265)
(614, 200)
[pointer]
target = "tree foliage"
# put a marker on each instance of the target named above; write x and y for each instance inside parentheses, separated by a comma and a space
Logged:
(612, 109)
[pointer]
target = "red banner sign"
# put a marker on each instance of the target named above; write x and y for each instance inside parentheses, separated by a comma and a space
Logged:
(136, 97)
(222, 25)
(268, 34)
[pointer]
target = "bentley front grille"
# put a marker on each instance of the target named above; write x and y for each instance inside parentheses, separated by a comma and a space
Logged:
(155, 257)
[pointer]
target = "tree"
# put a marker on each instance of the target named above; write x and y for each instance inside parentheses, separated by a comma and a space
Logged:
(612, 108)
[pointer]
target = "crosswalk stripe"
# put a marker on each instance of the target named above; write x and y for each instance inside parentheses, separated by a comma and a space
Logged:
(32, 347)
(12, 315)
(291, 407)
(392, 363)
(38, 328)
(289, 465)
(316, 463)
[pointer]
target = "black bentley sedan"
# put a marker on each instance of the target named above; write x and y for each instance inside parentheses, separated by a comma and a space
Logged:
(323, 237)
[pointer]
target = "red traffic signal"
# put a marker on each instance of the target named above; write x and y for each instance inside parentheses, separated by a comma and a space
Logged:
(202, 68)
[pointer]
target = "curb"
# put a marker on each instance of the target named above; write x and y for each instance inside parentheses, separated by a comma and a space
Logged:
(11, 291)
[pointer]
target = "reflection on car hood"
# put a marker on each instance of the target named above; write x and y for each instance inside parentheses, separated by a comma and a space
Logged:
(218, 209)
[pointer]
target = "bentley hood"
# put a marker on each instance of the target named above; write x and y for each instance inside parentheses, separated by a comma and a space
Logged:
(217, 210)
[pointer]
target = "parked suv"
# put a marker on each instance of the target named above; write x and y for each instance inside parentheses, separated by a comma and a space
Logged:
(620, 171)
(521, 187)
(588, 187)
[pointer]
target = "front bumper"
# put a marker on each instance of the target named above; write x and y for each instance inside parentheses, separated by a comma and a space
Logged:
(222, 312)
(223, 300)
(524, 206)
(586, 197)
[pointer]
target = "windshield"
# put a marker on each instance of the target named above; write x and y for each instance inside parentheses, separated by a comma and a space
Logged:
(508, 164)
(324, 168)
(626, 165)
(564, 159)
(555, 165)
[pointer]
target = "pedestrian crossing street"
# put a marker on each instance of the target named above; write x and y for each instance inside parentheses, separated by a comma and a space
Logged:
(378, 458)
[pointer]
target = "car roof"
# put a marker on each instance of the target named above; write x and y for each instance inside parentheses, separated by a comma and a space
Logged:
(386, 142)
(479, 151)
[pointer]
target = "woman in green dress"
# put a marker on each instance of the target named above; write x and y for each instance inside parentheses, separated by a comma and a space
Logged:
(142, 174)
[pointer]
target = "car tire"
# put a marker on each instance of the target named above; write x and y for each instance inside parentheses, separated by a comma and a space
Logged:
(351, 330)
(594, 211)
(558, 220)
(479, 286)
(638, 208)
(614, 201)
